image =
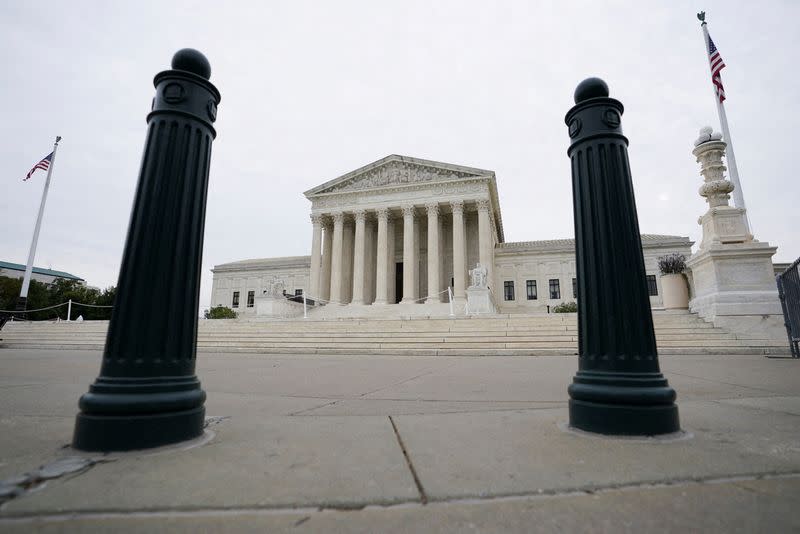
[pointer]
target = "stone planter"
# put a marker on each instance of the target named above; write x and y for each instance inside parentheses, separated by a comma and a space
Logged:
(674, 291)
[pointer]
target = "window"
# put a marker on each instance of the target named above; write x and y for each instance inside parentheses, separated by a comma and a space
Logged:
(555, 289)
(574, 288)
(251, 298)
(652, 287)
(235, 303)
(298, 292)
(508, 290)
(530, 289)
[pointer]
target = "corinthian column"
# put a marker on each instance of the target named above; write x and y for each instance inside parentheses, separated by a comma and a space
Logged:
(391, 265)
(325, 275)
(409, 256)
(459, 251)
(433, 253)
(316, 252)
(485, 244)
(358, 258)
(382, 261)
(336, 258)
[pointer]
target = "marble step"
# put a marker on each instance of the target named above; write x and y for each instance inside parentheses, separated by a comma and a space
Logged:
(504, 335)
(334, 337)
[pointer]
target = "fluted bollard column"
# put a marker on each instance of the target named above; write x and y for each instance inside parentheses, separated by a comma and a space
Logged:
(618, 388)
(147, 393)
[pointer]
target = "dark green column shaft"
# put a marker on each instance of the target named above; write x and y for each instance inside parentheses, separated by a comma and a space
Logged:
(619, 388)
(147, 393)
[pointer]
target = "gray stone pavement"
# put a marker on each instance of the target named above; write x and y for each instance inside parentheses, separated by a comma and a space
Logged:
(411, 444)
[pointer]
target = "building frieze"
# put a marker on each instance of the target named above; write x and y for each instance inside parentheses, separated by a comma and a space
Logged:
(470, 190)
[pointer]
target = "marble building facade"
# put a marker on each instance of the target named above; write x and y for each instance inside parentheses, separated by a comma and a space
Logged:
(391, 237)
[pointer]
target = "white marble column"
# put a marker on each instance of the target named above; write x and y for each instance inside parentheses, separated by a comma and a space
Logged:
(325, 275)
(409, 256)
(382, 267)
(434, 266)
(316, 256)
(391, 265)
(369, 260)
(485, 242)
(336, 258)
(459, 251)
(348, 235)
(359, 258)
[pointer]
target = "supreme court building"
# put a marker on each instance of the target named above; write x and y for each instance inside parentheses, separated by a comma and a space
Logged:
(390, 238)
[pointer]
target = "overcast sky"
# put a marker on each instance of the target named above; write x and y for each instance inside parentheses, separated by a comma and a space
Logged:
(312, 90)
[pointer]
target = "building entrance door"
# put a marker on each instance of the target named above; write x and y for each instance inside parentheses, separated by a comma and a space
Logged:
(398, 282)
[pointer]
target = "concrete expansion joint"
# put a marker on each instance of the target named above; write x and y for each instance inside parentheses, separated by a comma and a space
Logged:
(267, 510)
(423, 498)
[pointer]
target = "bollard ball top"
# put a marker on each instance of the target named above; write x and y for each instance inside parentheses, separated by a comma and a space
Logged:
(193, 61)
(590, 88)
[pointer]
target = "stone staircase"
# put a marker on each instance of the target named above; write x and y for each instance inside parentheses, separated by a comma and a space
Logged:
(676, 332)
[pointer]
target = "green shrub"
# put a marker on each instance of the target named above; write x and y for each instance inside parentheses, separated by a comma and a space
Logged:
(220, 312)
(672, 263)
(566, 307)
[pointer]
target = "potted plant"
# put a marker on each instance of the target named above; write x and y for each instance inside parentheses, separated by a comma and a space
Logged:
(674, 288)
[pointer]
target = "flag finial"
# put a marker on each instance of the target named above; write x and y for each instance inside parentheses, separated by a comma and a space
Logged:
(702, 18)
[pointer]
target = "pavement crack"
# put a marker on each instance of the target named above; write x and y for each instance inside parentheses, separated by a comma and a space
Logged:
(305, 410)
(726, 402)
(213, 420)
(71, 466)
(302, 520)
(423, 498)
(399, 382)
(37, 518)
(773, 393)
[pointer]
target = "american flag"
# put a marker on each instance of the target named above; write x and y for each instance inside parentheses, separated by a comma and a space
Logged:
(44, 165)
(715, 60)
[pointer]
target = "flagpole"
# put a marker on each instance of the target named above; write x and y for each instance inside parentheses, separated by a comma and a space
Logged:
(26, 282)
(733, 171)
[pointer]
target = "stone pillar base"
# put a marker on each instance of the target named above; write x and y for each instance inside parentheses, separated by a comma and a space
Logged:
(480, 301)
(734, 288)
(138, 431)
(269, 306)
(624, 419)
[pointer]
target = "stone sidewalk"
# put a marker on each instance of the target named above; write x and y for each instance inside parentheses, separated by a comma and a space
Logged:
(408, 444)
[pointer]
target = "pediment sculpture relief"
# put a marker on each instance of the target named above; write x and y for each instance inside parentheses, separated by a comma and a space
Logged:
(397, 173)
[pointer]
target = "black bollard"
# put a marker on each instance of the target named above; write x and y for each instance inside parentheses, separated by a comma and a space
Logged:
(147, 393)
(619, 388)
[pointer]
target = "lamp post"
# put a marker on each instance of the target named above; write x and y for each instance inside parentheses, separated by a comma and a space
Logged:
(619, 388)
(147, 393)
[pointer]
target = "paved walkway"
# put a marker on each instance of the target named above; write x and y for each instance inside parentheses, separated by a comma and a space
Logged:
(408, 444)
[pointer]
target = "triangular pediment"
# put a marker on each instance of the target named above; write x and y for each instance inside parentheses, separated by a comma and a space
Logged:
(395, 170)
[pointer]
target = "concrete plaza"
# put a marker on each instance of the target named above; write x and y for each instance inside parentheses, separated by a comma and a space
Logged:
(408, 444)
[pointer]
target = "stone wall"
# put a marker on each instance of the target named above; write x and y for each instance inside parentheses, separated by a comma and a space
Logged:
(545, 260)
(255, 275)
(517, 262)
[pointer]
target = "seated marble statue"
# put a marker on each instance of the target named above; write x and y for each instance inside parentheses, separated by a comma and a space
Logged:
(478, 276)
(275, 288)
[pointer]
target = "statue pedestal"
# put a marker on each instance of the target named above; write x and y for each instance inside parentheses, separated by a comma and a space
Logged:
(279, 307)
(734, 287)
(480, 301)
(732, 274)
